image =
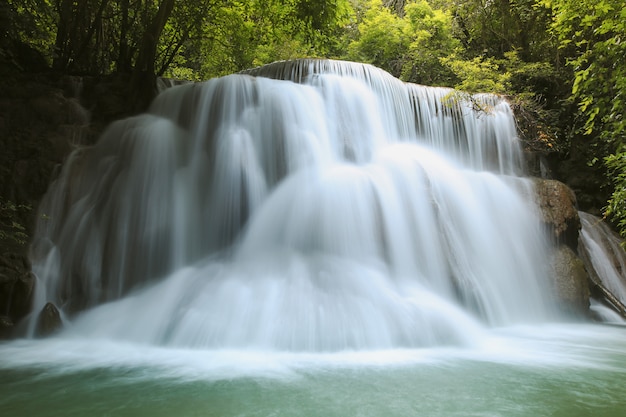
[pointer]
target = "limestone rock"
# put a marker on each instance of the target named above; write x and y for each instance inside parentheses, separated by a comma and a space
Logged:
(43, 118)
(570, 281)
(48, 321)
(16, 286)
(557, 205)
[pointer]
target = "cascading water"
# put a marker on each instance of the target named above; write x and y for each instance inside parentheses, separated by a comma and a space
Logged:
(304, 206)
(310, 238)
(607, 261)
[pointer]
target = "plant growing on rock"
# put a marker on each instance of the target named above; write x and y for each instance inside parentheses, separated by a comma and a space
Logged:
(11, 228)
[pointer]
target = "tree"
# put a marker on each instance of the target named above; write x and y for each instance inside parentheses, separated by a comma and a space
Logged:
(243, 34)
(78, 22)
(493, 28)
(593, 32)
(26, 33)
(592, 35)
(383, 39)
(143, 83)
(145, 36)
(409, 46)
(430, 31)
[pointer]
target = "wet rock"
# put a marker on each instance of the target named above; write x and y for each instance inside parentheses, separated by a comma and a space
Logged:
(601, 249)
(588, 181)
(22, 296)
(15, 261)
(6, 327)
(49, 108)
(557, 205)
(17, 284)
(42, 119)
(49, 321)
(570, 281)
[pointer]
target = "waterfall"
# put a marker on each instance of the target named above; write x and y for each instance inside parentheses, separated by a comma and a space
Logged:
(606, 260)
(310, 205)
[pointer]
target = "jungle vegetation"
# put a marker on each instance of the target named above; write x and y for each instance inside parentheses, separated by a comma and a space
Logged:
(561, 62)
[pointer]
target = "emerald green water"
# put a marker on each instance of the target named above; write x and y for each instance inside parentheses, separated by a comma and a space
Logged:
(565, 370)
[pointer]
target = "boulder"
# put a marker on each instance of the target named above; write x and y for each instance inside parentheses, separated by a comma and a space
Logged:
(557, 207)
(570, 281)
(49, 321)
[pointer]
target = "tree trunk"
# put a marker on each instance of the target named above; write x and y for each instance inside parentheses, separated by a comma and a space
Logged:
(614, 301)
(123, 57)
(95, 25)
(143, 82)
(61, 53)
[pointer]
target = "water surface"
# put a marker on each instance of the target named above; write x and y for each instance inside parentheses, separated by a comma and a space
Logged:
(552, 370)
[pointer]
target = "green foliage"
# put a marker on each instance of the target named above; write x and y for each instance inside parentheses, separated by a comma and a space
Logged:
(430, 31)
(493, 28)
(199, 39)
(593, 32)
(616, 207)
(592, 35)
(224, 46)
(11, 228)
(479, 74)
(547, 54)
(408, 46)
(383, 39)
(318, 15)
(509, 75)
(448, 45)
(30, 22)
(243, 34)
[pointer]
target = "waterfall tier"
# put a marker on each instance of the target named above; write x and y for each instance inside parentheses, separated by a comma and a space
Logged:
(311, 205)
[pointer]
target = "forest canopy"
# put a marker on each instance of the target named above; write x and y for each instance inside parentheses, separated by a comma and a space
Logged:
(561, 62)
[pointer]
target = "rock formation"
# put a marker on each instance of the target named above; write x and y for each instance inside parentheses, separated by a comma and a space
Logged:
(569, 278)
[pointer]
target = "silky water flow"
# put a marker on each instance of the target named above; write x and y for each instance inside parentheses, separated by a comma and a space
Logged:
(607, 264)
(313, 222)
(347, 211)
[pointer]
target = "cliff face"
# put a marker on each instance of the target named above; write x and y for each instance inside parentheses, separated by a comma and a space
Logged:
(43, 117)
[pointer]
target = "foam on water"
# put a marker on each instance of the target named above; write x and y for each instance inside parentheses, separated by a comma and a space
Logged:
(545, 347)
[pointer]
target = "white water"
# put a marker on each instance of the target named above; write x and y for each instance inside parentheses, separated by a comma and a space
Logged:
(347, 211)
(608, 259)
(572, 347)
